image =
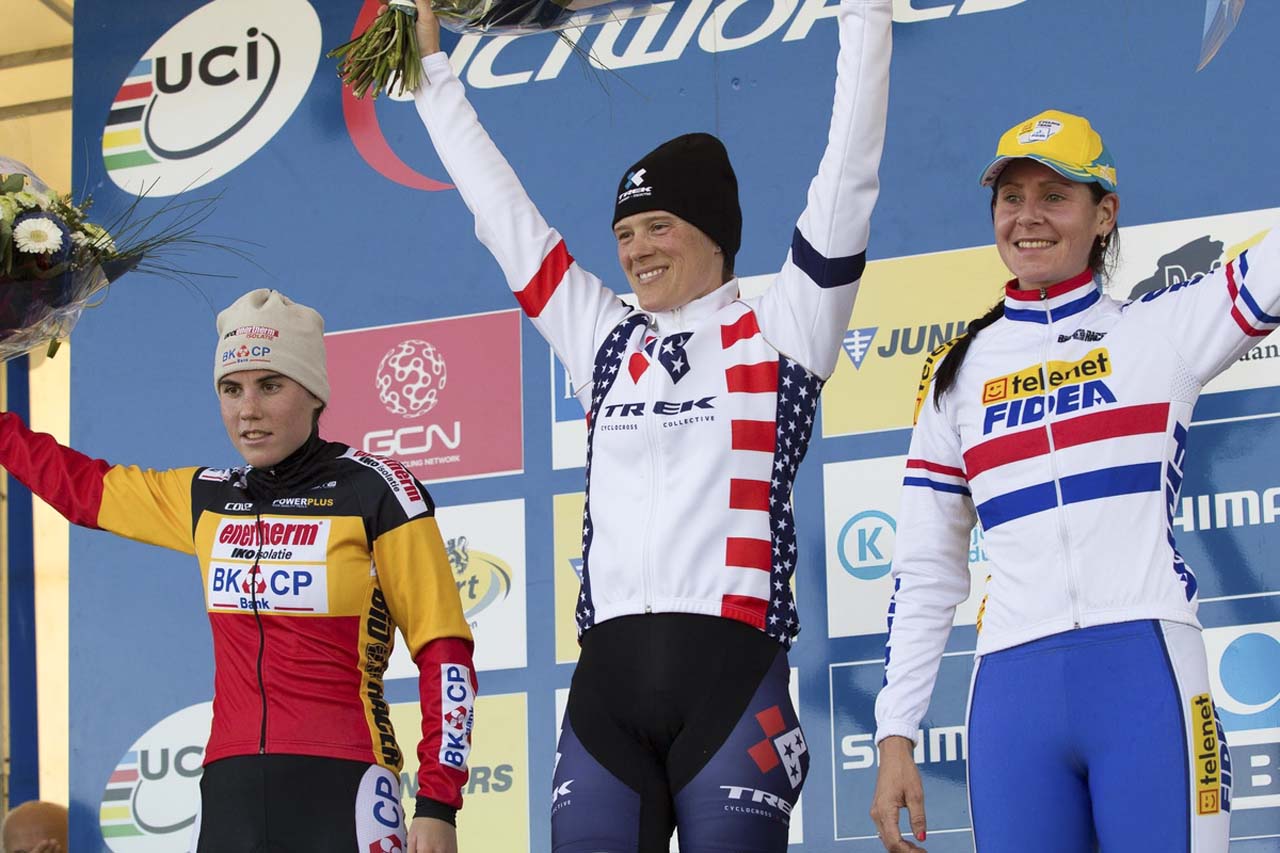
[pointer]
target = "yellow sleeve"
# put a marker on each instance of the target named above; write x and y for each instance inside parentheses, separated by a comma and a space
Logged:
(149, 506)
(418, 583)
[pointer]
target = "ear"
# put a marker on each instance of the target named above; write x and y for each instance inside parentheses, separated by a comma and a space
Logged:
(1108, 210)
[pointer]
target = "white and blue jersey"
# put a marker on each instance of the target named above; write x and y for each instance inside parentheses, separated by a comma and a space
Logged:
(1065, 436)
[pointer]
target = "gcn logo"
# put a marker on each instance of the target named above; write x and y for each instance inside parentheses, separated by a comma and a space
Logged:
(410, 378)
(865, 545)
(152, 798)
(209, 93)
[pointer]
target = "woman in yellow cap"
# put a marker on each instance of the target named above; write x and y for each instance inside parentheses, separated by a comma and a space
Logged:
(1059, 422)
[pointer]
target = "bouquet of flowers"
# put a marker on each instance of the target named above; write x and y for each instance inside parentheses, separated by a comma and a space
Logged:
(54, 261)
(387, 52)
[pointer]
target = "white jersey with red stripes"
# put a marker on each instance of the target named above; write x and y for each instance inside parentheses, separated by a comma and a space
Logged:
(698, 417)
(1065, 436)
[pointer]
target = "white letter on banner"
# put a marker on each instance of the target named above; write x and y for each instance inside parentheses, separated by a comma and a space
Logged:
(461, 53)
(859, 750)
(638, 52)
(905, 13)
(947, 743)
(1236, 509)
(560, 53)
(712, 39)
(1271, 504)
(481, 75)
(811, 12)
(1187, 518)
(971, 6)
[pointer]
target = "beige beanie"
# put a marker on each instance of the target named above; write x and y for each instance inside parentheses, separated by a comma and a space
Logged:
(266, 330)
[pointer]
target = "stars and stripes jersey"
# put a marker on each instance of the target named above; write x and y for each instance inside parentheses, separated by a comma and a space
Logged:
(698, 417)
(308, 571)
(1065, 437)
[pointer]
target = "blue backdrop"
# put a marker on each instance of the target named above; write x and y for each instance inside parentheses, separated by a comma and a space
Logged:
(330, 228)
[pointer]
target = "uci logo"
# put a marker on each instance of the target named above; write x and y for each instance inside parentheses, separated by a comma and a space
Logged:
(209, 93)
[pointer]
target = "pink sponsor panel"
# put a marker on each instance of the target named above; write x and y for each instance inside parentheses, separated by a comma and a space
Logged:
(442, 397)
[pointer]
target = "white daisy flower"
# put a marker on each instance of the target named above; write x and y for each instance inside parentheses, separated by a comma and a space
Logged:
(37, 236)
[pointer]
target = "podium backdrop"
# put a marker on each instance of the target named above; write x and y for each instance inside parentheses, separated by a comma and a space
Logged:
(348, 209)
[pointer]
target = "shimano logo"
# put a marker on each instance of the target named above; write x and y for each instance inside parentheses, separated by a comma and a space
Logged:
(1223, 510)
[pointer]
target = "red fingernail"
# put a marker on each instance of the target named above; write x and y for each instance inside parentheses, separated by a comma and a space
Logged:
(920, 835)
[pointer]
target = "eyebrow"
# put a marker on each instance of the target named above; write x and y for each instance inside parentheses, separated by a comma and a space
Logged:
(270, 377)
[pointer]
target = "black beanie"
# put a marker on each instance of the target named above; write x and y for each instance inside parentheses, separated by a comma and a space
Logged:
(689, 176)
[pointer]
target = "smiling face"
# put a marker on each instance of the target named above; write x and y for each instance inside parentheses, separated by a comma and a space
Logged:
(267, 415)
(668, 261)
(1046, 224)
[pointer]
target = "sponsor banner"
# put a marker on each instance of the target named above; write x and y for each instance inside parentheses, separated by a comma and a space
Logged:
(795, 833)
(941, 754)
(1244, 679)
(495, 813)
(442, 397)
(1227, 515)
(861, 498)
(278, 565)
(152, 799)
(567, 571)
(669, 33)
(874, 385)
(485, 544)
(209, 93)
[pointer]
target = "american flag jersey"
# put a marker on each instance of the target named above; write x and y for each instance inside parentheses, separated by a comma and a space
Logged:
(699, 416)
(1065, 435)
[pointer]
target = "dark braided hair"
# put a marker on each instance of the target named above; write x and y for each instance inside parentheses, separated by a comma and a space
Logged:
(1102, 261)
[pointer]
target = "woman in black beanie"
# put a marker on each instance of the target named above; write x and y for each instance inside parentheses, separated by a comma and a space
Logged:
(700, 405)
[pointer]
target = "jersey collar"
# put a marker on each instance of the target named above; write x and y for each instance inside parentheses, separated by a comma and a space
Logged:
(690, 314)
(1051, 304)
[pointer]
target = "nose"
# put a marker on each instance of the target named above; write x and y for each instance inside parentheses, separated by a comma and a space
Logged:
(638, 248)
(250, 408)
(1029, 213)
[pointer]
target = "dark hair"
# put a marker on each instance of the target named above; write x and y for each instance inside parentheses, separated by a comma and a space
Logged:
(1103, 258)
(315, 416)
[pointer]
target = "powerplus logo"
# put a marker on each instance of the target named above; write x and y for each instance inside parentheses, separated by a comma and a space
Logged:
(209, 93)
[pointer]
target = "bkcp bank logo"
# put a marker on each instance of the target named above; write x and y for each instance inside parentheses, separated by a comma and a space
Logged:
(394, 395)
(209, 93)
(483, 579)
(151, 801)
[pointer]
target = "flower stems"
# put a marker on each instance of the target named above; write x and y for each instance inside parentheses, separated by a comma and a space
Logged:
(384, 54)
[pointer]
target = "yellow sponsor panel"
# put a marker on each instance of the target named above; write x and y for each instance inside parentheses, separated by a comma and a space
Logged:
(568, 562)
(906, 308)
(1207, 761)
(1032, 381)
(495, 812)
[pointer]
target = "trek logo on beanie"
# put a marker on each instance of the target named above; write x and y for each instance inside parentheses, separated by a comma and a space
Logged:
(266, 330)
(691, 177)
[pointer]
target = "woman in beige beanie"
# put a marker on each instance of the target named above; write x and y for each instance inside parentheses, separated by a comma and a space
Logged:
(302, 626)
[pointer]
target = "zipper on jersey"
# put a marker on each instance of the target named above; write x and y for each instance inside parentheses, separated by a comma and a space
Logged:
(1060, 510)
(254, 574)
(655, 472)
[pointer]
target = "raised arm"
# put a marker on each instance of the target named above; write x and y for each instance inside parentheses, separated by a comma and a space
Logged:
(569, 306)
(1214, 320)
(806, 312)
(149, 506)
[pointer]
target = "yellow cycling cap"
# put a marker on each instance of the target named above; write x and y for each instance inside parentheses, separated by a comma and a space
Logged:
(1066, 143)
